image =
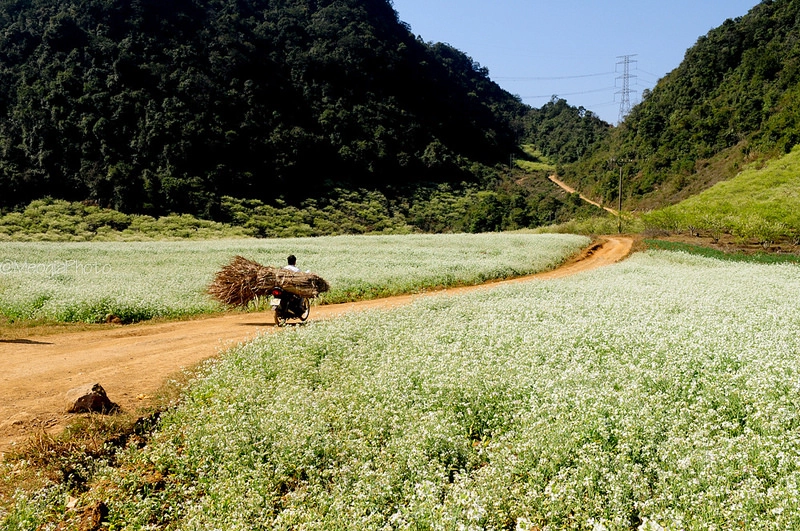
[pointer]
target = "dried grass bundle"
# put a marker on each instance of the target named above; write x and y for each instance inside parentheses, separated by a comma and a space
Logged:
(303, 284)
(244, 280)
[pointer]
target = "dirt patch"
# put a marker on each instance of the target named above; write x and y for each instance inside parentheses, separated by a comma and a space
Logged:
(133, 362)
(728, 244)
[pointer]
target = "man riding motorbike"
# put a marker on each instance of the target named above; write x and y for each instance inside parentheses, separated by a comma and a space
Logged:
(287, 304)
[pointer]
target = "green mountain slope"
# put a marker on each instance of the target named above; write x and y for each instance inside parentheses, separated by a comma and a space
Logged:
(152, 106)
(736, 93)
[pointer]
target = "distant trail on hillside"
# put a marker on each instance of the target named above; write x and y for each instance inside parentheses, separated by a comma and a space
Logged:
(133, 361)
(571, 190)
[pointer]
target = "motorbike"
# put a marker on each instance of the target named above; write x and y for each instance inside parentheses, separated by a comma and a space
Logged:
(288, 306)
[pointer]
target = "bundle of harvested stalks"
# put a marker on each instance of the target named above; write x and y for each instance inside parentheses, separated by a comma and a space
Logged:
(244, 280)
(303, 284)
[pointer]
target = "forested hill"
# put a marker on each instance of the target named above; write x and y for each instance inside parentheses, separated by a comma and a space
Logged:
(736, 92)
(165, 106)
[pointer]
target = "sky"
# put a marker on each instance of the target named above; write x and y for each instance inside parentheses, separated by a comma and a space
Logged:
(574, 49)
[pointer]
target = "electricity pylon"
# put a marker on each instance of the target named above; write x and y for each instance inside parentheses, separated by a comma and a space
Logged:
(625, 92)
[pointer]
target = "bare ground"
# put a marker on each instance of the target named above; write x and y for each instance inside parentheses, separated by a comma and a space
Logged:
(729, 244)
(132, 362)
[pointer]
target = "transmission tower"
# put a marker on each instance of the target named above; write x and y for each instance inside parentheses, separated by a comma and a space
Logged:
(625, 100)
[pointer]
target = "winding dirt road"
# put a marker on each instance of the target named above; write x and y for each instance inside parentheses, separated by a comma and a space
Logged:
(133, 361)
(567, 188)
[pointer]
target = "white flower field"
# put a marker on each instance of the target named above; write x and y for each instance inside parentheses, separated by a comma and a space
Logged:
(659, 393)
(142, 280)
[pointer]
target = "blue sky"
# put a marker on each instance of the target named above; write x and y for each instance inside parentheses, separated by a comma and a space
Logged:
(570, 48)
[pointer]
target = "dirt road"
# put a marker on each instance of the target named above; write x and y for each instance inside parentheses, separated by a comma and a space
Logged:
(133, 361)
(567, 188)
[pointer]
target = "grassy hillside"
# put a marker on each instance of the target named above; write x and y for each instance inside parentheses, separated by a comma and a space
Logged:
(761, 204)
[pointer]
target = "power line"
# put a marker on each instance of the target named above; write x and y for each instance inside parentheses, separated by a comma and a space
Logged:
(628, 79)
(569, 93)
(556, 78)
(601, 104)
(649, 73)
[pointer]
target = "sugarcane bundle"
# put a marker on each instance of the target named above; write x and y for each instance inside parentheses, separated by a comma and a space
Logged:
(244, 280)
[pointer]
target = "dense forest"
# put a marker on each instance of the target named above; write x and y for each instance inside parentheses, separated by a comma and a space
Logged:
(563, 133)
(735, 96)
(151, 106)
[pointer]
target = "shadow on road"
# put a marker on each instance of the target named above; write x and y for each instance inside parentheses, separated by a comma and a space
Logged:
(25, 342)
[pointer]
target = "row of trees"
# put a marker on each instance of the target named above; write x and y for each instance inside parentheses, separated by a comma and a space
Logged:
(438, 209)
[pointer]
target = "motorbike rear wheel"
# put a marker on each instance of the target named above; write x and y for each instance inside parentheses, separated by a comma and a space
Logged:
(306, 305)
